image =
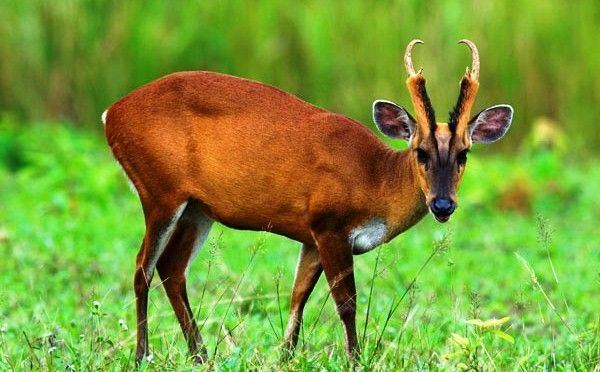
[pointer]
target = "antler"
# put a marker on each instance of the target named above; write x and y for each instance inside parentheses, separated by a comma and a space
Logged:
(474, 57)
(416, 87)
(408, 57)
(469, 84)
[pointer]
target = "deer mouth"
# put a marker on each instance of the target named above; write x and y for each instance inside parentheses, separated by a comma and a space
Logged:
(439, 217)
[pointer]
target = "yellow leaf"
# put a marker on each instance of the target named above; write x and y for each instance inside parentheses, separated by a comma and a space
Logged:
(451, 356)
(460, 340)
(503, 335)
(477, 322)
(488, 323)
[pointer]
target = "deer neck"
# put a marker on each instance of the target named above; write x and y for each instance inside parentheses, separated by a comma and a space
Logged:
(405, 201)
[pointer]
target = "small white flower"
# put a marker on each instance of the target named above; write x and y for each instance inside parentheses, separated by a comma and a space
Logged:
(51, 350)
(149, 358)
(123, 325)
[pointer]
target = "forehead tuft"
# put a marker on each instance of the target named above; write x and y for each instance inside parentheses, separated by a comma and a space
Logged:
(443, 135)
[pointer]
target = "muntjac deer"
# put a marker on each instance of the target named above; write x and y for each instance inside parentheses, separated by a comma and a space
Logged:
(201, 147)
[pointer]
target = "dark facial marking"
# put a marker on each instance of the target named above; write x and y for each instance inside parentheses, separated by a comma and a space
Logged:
(461, 158)
(427, 104)
(422, 156)
(455, 113)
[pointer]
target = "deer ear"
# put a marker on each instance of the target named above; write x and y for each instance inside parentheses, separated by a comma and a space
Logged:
(491, 124)
(392, 120)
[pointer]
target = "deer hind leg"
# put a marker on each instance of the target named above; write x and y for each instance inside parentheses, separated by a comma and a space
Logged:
(191, 232)
(308, 271)
(160, 223)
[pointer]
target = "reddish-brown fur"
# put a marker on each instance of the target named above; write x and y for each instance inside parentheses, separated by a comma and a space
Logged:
(254, 157)
(203, 144)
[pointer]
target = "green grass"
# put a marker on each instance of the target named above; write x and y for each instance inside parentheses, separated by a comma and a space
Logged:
(70, 229)
(71, 59)
(524, 243)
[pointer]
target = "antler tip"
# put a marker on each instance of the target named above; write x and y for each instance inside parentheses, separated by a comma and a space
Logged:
(407, 57)
(474, 56)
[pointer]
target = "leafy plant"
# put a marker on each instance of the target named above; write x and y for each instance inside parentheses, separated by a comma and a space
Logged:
(473, 351)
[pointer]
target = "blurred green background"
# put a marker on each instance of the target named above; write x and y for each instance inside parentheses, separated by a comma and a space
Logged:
(69, 60)
(70, 228)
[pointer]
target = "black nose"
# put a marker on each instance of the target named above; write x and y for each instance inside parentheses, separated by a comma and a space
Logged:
(442, 206)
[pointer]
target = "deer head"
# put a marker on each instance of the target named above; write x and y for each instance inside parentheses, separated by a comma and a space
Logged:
(439, 150)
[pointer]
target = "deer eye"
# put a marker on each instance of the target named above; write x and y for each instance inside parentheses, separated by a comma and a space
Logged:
(422, 156)
(461, 158)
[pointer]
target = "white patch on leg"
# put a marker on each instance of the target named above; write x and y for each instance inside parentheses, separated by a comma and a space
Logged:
(163, 239)
(104, 117)
(292, 324)
(368, 235)
(203, 224)
(298, 263)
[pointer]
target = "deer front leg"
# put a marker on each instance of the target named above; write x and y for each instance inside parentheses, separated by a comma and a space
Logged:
(337, 261)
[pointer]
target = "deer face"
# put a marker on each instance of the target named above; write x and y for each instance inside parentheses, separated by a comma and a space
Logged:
(439, 150)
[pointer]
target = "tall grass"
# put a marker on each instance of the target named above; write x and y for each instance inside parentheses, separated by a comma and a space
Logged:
(71, 59)
(70, 229)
